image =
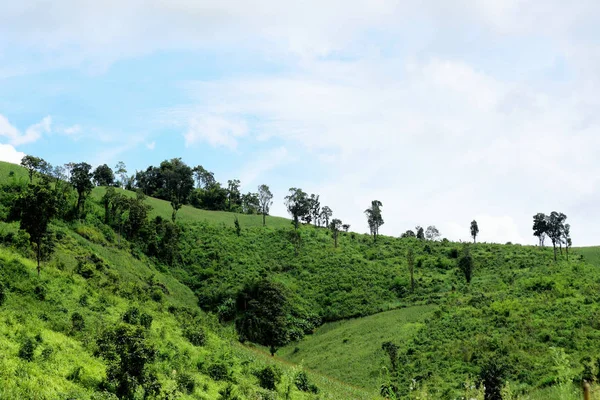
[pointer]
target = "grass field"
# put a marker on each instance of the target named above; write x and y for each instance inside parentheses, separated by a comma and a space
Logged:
(191, 214)
(351, 350)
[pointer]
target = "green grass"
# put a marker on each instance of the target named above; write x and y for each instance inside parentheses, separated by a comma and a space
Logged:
(189, 214)
(590, 254)
(351, 350)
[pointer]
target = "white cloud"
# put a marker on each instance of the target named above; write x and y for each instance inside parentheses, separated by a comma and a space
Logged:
(215, 130)
(261, 164)
(437, 141)
(72, 130)
(31, 135)
(9, 154)
(151, 145)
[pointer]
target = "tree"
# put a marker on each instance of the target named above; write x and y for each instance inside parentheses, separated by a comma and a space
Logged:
(420, 232)
(408, 234)
(326, 213)
(555, 228)
(265, 200)
(128, 354)
(36, 208)
(297, 205)
(178, 183)
(315, 209)
(374, 218)
(465, 264)
(335, 227)
(238, 228)
(81, 180)
(540, 227)
(346, 227)
(410, 260)
(263, 308)
(32, 164)
(492, 377)
(474, 230)
(204, 178)
(234, 198)
(432, 233)
(104, 176)
(250, 203)
(121, 170)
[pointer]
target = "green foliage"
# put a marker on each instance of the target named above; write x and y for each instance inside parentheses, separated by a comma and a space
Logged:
(465, 264)
(303, 383)
(195, 334)
(77, 322)
(269, 377)
(128, 354)
(27, 349)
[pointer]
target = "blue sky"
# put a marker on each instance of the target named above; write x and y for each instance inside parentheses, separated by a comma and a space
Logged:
(444, 112)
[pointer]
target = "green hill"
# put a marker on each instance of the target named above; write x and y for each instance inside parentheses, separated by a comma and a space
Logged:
(529, 320)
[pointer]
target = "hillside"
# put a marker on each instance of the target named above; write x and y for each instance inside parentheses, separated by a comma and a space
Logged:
(529, 320)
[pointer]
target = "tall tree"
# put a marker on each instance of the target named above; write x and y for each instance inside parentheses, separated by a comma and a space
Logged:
(326, 213)
(335, 227)
(36, 165)
(121, 170)
(374, 218)
(104, 176)
(432, 233)
(474, 230)
(204, 178)
(540, 227)
(178, 183)
(410, 260)
(315, 209)
(567, 238)
(346, 227)
(555, 229)
(81, 179)
(265, 200)
(234, 198)
(250, 203)
(420, 232)
(297, 205)
(36, 207)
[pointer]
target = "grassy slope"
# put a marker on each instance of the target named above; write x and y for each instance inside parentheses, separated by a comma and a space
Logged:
(124, 282)
(191, 214)
(351, 350)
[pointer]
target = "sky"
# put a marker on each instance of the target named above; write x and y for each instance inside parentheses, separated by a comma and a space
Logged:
(445, 111)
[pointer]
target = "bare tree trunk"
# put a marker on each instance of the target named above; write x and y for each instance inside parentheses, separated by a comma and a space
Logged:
(554, 245)
(412, 280)
(264, 219)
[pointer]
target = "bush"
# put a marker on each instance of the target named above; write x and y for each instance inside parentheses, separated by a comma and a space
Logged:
(132, 316)
(77, 322)
(27, 349)
(40, 292)
(218, 372)
(268, 377)
(186, 383)
(195, 335)
(2, 294)
(146, 320)
(85, 269)
(303, 383)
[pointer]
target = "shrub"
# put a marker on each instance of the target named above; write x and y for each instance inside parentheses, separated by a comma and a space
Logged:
(2, 294)
(132, 316)
(157, 295)
(27, 349)
(218, 372)
(228, 393)
(85, 269)
(146, 320)
(40, 292)
(77, 322)
(268, 377)
(195, 335)
(186, 383)
(303, 383)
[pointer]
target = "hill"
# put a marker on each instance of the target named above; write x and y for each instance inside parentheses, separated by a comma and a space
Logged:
(346, 314)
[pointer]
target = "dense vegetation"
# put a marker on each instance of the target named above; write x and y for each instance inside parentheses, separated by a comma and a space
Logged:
(114, 310)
